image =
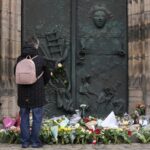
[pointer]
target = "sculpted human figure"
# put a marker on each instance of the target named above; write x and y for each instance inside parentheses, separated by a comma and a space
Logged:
(102, 36)
(100, 17)
(55, 48)
(101, 54)
(85, 88)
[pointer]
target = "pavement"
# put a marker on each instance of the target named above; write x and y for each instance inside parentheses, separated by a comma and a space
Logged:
(134, 146)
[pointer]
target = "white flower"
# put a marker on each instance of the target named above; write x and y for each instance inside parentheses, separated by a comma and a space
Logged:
(59, 65)
(77, 125)
(88, 131)
(51, 73)
(83, 130)
(12, 127)
(2, 130)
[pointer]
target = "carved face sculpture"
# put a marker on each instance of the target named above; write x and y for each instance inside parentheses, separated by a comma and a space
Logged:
(99, 18)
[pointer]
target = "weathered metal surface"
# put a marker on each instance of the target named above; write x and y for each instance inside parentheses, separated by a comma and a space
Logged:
(89, 38)
(102, 56)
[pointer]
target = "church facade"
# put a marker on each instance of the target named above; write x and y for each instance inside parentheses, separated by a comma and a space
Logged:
(138, 53)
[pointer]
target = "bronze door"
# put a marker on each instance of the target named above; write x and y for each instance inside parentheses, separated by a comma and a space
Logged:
(89, 37)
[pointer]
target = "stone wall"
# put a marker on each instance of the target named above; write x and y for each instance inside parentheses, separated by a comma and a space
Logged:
(139, 52)
(10, 41)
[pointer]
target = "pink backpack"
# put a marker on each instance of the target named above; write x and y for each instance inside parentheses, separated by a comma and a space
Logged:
(26, 71)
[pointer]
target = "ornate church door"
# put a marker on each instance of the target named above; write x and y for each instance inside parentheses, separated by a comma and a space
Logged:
(89, 39)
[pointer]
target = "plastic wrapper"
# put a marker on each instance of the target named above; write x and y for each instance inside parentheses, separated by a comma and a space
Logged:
(54, 131)
(8, 122)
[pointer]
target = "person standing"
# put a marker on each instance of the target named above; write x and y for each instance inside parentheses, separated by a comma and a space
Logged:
(31, 98)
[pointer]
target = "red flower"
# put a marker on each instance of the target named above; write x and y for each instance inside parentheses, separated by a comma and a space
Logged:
(94, 142)
(91, 130)
(97, 131)
(86, 119)
(17, 124)
(129, 133)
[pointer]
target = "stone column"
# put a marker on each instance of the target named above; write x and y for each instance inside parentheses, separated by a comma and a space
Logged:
(139, 54)
(10, 41)
(146, 72)
(135, 51)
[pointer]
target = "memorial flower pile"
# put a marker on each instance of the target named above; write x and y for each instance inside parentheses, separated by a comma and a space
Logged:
(86, 130)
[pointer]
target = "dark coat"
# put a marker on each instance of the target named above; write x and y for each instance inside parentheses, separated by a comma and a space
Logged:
(31, 96)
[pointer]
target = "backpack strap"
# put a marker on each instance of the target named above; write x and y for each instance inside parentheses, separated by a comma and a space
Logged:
(40, 75)
(42, 71)
(29, 57)
(34, 57)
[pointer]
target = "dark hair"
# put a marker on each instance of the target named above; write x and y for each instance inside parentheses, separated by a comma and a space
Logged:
(33, 41)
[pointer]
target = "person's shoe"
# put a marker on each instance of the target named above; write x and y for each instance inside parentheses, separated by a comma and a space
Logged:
(25, 145)
(37, 145)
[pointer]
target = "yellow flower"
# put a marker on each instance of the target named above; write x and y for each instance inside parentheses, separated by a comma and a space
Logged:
(119, 129)
(125, 122)
(63, 129)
